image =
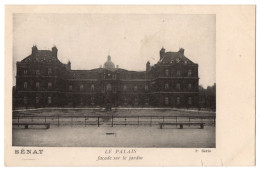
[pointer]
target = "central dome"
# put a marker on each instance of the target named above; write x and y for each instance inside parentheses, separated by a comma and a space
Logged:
(109, 64)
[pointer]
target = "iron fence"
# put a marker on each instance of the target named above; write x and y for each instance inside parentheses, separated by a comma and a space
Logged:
(112, 120)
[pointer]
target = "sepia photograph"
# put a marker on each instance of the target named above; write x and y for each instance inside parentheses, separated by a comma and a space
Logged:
(129, 85)
(114, 80)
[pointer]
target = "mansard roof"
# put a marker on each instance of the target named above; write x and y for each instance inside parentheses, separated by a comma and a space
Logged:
(174, 58)
(41, 56)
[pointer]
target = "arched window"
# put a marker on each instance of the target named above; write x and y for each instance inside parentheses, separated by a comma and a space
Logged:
(37, 85)
(49, 85)
(25, 85)
(24, 71)
(166, 101)
(92, 87)
(109, 87)
(81, 87)
(166, 86)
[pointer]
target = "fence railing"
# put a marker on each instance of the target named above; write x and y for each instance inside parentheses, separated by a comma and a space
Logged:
(112, 120)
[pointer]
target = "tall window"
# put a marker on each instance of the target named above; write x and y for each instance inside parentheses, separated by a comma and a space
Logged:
(37, 100)
(124, 87)
(135, 88)
(25, 100)
(166, 72)
(49, 71)
(25, 85)
(49, 85)
(178, 100)
(189, 86)
(70, 87)
(166, 101)
(190, 101)
(81, 87)
(166, 86)
(92, 100)
(37, 85)
(146, 87)
(109, 87)
(136, 100)
(49, 100)
(92, 87)
(189, 72)
(25, 71)
(178, 73)
(37, 72)
(146, 101)
(178, 86)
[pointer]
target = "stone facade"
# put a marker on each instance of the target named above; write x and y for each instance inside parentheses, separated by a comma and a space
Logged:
(43, 81)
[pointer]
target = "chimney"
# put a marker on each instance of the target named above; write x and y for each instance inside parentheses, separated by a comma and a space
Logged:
(34, 49)
(54, 51)
(69, 65)
(148, 67)
(100, 66)
(117, 66)
(162, 52)
(181, 51)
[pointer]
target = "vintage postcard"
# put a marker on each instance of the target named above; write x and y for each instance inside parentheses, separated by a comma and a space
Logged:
(129, 85)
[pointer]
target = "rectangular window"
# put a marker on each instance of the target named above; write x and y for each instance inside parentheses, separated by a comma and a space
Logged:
(190, 101)
(37, 85)
(37, 100)
(178, 73)
(25, 85)
(135, 88)
(49, 100)
(124, 88)
(49, 85)
(25, 71)
(25, 100)
(49, 71)
(166, 101)
(166, 72)
(189, 86)
(37, 72)
(70, 87)
(166, 86)
(92, 87)
(81, 87)
(178, 86)
(146, 87)
(178, 101)
(189, 73)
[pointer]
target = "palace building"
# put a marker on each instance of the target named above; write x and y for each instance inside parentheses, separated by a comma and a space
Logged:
(43, 81)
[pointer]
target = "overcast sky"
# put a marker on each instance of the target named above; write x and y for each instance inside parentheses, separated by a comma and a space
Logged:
(130, 39)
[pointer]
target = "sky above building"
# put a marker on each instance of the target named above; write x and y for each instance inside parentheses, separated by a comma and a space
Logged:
(130, 39)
